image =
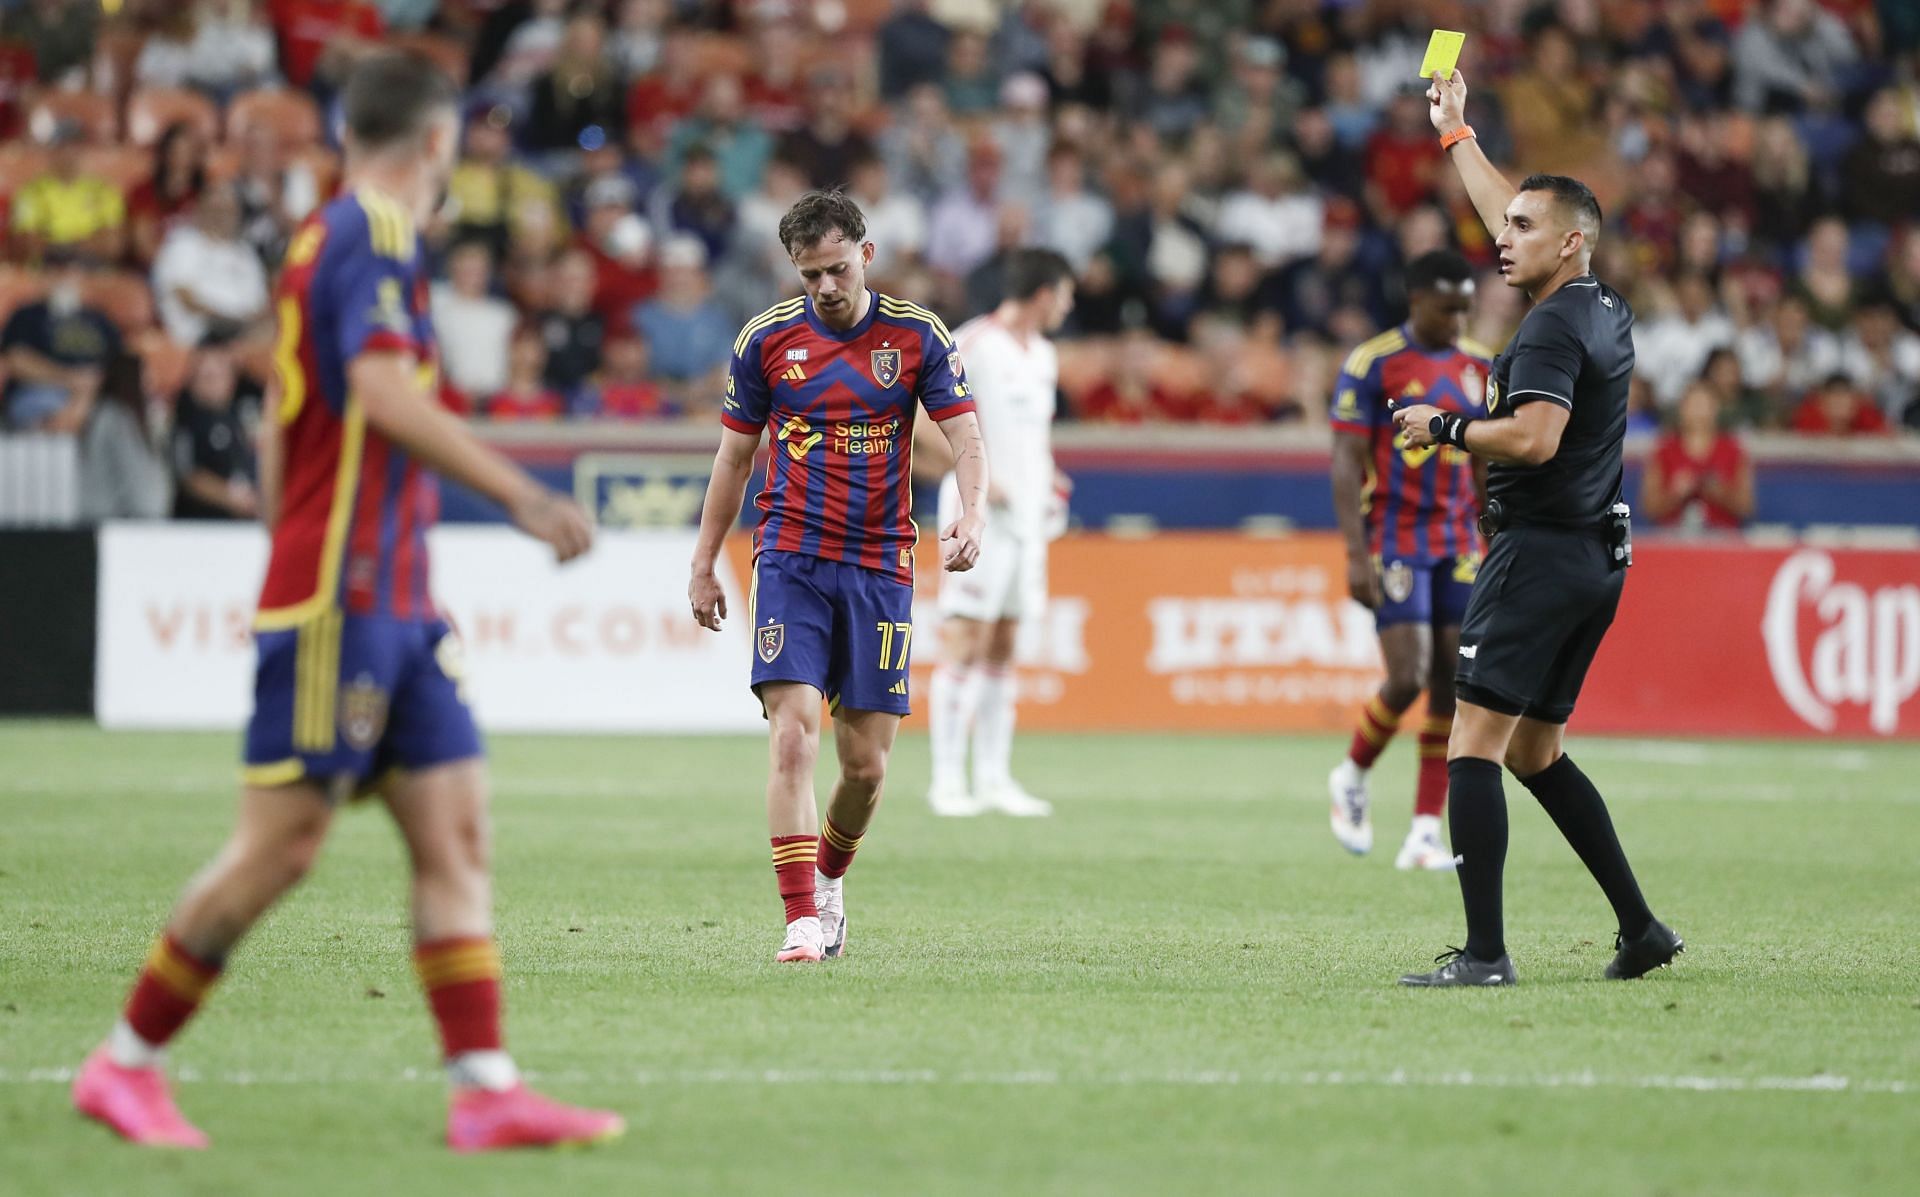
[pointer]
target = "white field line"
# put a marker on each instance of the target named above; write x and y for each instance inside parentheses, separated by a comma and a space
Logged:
(1224, 1078)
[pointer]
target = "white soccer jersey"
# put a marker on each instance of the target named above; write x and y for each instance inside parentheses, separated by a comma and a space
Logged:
(1013, 386)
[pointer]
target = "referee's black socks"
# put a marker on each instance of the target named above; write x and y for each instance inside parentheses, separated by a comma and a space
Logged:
(1581, 815)
(1477, 822)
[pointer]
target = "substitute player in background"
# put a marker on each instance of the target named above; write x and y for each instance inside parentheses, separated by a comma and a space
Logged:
(836, 375)
(1014, 374)
(1412, 548)
(358, 682)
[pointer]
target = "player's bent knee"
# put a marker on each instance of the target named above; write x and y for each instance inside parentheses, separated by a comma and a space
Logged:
(793, 749)
(867, 770)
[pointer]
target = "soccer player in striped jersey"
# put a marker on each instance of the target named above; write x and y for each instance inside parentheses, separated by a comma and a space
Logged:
(836, 375)
(1408, 516)
(358, 682)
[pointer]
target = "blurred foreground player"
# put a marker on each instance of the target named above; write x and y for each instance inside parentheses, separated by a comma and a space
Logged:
(1413, 548)
(835, 375)
(358, 682)
(1014, 374)
(1551, 581)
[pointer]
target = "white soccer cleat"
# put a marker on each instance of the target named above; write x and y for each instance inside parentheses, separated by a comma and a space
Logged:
(805, 944)
(1423, 851)
(1011, 798)
(952, 801)
(1351, 814)
(830, 899)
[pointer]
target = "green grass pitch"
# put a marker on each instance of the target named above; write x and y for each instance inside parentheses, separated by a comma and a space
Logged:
(1179, 984)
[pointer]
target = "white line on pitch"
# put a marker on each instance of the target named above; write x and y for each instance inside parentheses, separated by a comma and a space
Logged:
(1223, 1078)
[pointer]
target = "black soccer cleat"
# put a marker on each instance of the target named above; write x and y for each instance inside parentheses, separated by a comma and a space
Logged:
(1457, 969)
(1653, 948)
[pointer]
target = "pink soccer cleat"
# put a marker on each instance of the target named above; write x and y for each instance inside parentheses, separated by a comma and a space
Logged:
(806, 943)
(492, 1119)
(134, 1102)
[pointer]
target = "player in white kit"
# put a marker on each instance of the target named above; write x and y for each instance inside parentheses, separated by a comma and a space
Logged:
(1013, 372)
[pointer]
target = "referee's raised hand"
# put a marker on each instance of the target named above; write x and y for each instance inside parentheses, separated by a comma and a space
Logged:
(1447, 102)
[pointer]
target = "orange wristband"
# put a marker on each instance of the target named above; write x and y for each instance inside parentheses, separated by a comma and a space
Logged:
(1449, 140)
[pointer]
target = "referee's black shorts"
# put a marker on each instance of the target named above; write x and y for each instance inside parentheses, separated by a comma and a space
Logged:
(1544, 599)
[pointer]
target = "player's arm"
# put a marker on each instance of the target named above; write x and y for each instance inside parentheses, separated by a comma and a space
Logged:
(270, 456)
(1530, 437)
(1349, 480)
(397, 407)
(932, 456)
(1486, 186)
(960, 540)
(726, 490)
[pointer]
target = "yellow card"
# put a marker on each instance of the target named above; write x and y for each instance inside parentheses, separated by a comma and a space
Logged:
(1443, 53)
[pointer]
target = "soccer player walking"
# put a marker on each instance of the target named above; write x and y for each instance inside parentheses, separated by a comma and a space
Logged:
(1551, 581)
(835, 375)
(1408, 517)
(358, 682)
(1014, 374)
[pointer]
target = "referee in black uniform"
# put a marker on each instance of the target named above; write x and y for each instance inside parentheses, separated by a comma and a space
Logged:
(1551, 581)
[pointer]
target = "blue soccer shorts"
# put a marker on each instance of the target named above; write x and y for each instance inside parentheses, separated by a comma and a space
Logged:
(353, 696)
(1429, 592)
(842, 629)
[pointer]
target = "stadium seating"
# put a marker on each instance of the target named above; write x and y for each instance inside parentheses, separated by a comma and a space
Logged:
(291, 114)
(150, 112)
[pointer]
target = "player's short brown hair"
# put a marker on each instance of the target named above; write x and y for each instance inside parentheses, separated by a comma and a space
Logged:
(819, 214)
(392, 96)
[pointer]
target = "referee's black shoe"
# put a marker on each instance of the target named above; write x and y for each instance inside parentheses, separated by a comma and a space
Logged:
(1459, 969)
(1653, 948)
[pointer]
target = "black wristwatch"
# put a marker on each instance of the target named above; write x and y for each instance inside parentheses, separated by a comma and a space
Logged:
(1447, 428)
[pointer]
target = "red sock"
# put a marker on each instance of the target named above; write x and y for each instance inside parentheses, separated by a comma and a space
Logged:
(462, 980)
(1377, 725)
(793, 857)
(1430, 793)
(171, 987)
(836, 850)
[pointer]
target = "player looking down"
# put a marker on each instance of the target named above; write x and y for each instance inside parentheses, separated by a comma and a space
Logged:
(1412, 548)
(834, 376)
(358, 681)
(1014, 374)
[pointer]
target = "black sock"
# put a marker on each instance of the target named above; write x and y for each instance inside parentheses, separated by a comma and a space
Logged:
(1477, 819)
(1581, 815)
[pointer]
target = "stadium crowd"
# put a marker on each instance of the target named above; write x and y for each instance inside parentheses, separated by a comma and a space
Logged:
(1237, 183)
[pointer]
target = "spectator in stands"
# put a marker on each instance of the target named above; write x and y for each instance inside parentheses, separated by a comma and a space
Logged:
(1898, 284)
(1883, 358)
(1023, 134)
(970, 83)
(1176, 254)
(1130, 392)
(214, 469)
(697, 205)
(1738, 402)
(1233, 298)
(1880, 179)
(474, 326)
(526, 397)
(1257, 102)
(1174, 101)
(1310, 291)
(896, 222)
(57, 352)
(1712, 172)
(1332, 168)
(1785, 358)
(530, 47)
(490, 194)
(1839, 408)
(1071, 218)
(1698, 476)
(578, 103)
(573, 332)
(659, 101)
(1278, 213)
(724, 130)
(690, 333)
(828, 144)
(1650, 221)
(1071, 78)
(638, 37)
(624, 390)
(1643, 414)
(962, 229)
(925, 154)
(168, 196)
(319, 39)
(1703, 60)
(913, 48)
(1824, 282)
(206, 280)
(757, 266)
(1785, 200)
(1403, 158)
(221, 47)
(66, 206)
(61, 35)
(1551, 108)
(276, 192)
(775, 88)
(1672, 347)
(1353, 119)
(621, 243)
(1789, 56)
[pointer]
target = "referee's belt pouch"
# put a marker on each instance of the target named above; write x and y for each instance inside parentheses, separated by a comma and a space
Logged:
(1618, 531)
(1493, 517)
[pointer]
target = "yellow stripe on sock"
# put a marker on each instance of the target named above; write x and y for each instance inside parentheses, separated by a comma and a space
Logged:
(839, 839)
(187, 982)
(1378, 712)
(458, 965)
(1435, 726)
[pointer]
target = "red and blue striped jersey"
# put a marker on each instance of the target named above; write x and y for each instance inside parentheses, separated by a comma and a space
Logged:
(354, 508)
(840, 406)
(1420, 503)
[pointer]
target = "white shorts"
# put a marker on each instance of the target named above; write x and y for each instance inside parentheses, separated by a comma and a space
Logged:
(1008, 582)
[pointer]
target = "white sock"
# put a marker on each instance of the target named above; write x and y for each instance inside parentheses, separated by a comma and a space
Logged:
(956, 695)
(993, 728)
(1425, 827)
(128, 1050)
(483, 1070)
(822, 881)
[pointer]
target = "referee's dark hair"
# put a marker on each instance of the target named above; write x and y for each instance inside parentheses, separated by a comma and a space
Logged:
(392, 97)
(1031, 270)
(819, 213)
(1573, 196)
(1437, 266)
